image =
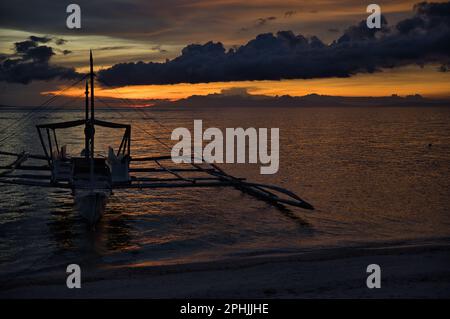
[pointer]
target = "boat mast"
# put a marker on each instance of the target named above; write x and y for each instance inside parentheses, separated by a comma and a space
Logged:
(92, 103)
(92, 126)
(86, 126)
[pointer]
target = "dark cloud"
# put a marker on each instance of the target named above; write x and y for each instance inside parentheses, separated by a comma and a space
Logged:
(289, 13)
(40, 54)
(30, 50)
(40, 39)
(361, 32)
(425, 38)
(138, 19)
(60, 41)
(116, 47)
(24, 46)
(263, 21)
(168, 22)
(159, 49)
(428, 16)
(30, 61)
(260, 22)
(33, 41)
(432, 9)
(26, 72)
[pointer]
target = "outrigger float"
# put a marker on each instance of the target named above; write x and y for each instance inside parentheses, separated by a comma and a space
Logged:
(93, 179)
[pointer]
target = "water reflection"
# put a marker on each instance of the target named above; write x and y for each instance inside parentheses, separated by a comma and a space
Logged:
(369, 172)
(70, 233)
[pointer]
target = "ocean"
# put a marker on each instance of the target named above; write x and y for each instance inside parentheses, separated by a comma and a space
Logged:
(374, 175)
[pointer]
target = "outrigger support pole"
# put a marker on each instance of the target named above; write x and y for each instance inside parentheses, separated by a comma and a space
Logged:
(44, 147)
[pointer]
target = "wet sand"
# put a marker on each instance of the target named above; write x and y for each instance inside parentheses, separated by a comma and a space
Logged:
(407, 271)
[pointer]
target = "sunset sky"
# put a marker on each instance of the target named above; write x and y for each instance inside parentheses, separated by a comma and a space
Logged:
(157, 31)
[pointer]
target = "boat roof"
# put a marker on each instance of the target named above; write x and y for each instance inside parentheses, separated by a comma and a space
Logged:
(68, 124)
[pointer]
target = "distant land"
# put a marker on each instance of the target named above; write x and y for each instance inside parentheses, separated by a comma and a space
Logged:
(243, 99)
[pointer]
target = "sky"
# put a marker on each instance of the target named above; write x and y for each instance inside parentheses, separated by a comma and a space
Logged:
(175, 48)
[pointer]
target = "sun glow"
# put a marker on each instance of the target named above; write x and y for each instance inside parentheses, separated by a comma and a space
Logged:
(409, 80)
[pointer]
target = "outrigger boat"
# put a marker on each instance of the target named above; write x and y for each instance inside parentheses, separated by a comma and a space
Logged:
(92, 179)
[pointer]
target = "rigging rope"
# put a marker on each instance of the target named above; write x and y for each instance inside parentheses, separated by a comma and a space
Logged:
(125, 100)
(137, 110)
(42, 112)
(42, 107)
(137, 125)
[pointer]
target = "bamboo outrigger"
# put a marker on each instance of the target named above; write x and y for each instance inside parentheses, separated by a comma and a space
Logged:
(93, 179)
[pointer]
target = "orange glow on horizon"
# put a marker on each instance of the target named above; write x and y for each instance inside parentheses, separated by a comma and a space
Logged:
(404, 81)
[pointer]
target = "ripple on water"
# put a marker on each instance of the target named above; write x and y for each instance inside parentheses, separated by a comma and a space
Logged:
(370, 174)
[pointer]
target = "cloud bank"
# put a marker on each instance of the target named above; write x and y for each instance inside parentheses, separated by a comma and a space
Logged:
(423, 38)
(30, 61)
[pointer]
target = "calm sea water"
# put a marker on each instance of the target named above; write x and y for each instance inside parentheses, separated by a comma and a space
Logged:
(373, 174)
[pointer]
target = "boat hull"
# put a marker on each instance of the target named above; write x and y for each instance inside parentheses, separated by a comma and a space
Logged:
(91, 204)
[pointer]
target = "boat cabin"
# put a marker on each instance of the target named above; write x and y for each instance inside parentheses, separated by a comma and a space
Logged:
(73, 169)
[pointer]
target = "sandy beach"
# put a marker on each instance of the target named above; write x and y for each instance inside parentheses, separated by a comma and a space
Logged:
(409, 270)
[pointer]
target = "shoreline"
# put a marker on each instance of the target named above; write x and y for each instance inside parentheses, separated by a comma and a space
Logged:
(408, 270)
